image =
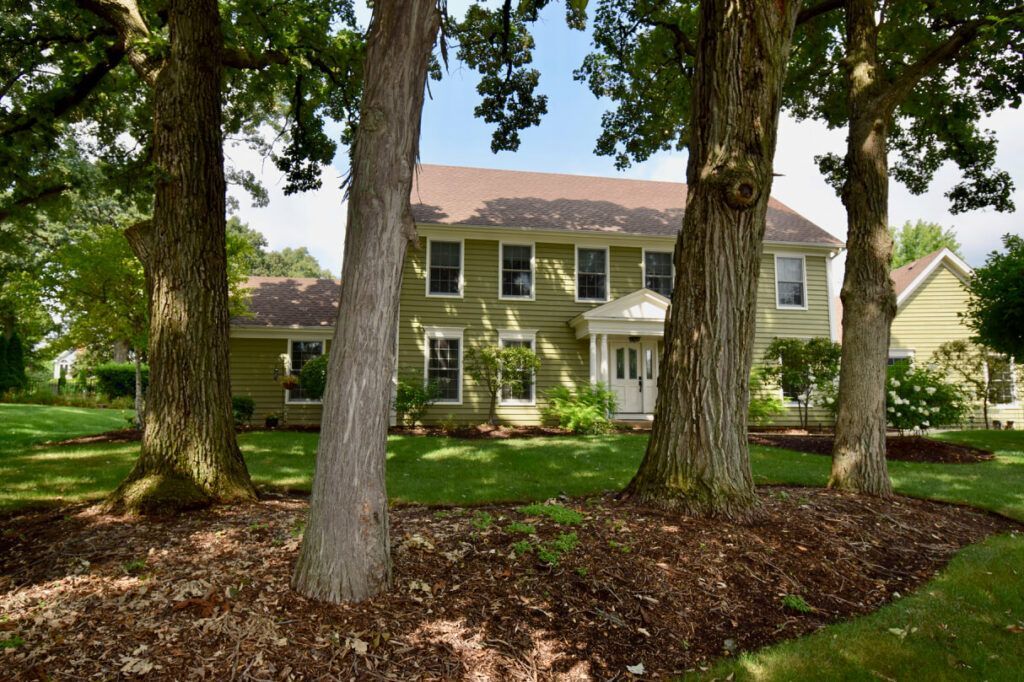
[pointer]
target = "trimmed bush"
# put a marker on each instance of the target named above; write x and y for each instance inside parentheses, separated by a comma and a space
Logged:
(242, 407)
(765, 404)
(583, 411)
(117, 379)
(313, 377)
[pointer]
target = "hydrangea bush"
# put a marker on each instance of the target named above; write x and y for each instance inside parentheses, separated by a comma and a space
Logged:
(921, 398)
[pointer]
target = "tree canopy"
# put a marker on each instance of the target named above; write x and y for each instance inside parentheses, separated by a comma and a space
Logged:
(995, 307)
(917, 240)
(255, 259)
(643, 61)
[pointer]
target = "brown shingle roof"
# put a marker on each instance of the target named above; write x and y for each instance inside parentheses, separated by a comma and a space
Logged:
(454, 195)
(903, 276)
(290, 302)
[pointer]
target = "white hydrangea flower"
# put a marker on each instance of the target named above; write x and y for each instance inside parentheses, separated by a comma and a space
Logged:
(925, 424)
(896, 382)
(917, 389)
(930, 390)
(892, 409)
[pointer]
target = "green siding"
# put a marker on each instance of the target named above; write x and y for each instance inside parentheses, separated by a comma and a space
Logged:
(930, 317)
(252, 364)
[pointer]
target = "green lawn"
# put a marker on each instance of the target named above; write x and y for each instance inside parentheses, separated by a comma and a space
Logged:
(967, 621)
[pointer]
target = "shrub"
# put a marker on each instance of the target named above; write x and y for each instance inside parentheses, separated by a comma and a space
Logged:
(242, 407)
(920, 398)
(412, 398)
(117, 379)
(764, 404)
(583, 411)
(313, 377)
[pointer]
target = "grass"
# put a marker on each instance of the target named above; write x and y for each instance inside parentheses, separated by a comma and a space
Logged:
(967, 623)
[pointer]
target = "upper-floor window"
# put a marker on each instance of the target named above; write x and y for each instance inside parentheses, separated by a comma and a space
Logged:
(444, 264)
(591, 274)
(790, 282)
(301, 352)
(516, 271)
(658, 272)
(444, 363)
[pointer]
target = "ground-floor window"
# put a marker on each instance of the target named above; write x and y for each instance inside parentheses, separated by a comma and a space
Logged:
(525, 393)
(444, 364)
(301, 352)
(1001, 383)
(903, 358)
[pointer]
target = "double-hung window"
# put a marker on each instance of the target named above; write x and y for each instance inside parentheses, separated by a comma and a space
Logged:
(301, 352)
(444, 363)
(524, 393)
(1001, 384)
(790, 282)
(658, 272)
(444, 268)
(516, 271)
(591, 274)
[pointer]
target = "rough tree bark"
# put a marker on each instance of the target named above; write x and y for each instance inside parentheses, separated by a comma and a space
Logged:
(189, 456)
(697, 459)
(345, 553)
(869, 299)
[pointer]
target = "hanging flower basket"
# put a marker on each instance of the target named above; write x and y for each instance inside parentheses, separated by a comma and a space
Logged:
(290, 382)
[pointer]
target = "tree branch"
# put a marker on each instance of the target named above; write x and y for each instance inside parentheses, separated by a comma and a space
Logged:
(808, 13)
(238, 58)
(124, 16)
(44, 194)
(898, 89)
(683, 44)
(70, 97)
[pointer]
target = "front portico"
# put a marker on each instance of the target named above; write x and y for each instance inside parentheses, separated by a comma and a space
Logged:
(625, 348)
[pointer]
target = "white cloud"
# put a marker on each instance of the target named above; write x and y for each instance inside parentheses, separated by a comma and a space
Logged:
(315, 220)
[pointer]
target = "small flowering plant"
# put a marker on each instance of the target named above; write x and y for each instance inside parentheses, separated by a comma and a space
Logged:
(921, 398)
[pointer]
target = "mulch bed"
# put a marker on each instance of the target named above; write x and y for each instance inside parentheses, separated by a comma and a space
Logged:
(904, 448)
(212, 601)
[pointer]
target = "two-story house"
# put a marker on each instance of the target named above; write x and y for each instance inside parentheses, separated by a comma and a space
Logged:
(577, 268)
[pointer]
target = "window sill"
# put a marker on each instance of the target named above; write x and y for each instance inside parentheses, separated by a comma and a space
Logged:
(779, 306)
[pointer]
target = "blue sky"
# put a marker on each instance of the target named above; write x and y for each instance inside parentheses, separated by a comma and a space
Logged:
(564, 143)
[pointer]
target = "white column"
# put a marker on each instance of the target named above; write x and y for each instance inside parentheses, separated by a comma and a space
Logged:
(605, 376)
(593, 359)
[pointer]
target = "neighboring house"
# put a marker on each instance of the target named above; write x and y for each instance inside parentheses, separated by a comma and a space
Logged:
(930, 298)
(577, 268)
(64, 364)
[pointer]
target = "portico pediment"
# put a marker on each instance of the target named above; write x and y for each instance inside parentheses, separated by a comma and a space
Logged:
(641, 313)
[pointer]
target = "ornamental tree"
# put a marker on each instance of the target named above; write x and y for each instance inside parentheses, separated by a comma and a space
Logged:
(805, 370)
(501, 369)
(973, 367)
(995, 304)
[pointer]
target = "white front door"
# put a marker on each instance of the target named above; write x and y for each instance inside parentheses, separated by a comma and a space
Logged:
(626, 381)
(650, 374)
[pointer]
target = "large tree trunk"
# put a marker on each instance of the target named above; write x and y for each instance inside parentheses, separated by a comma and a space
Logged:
(697, 459)
(189, 456)
(869, 301)
(345, 552)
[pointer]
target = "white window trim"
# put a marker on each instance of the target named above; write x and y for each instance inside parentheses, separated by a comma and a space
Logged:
(1014, 402)
(803, 258)
(533, 270)
(643, 265)
(445, 333)
(288, 351)
(462, 268)
(520, 335)
(607, 273)
(901, 353)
